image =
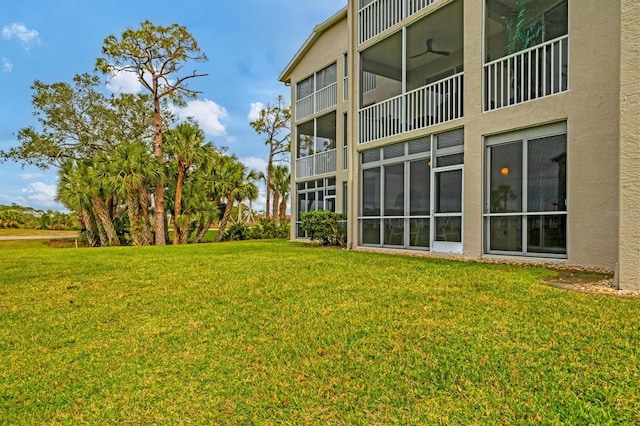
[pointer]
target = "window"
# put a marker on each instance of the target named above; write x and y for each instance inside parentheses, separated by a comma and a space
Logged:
(398, 183)
(326, 77)
(313, 195)
(317, 135)
(304, 88)
(526, 193)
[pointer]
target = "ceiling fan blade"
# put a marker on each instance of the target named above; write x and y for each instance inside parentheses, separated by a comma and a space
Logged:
(440, 52)
(418, 55)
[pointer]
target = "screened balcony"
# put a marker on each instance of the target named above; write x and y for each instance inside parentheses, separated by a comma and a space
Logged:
(317, 93)
(316, 147)
(527, 48)
(413, 79)
(376, 16)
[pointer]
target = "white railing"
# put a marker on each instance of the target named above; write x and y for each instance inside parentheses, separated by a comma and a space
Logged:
(426, 106)
(317, 164)
(379, 15)
(369, 82)
(380, 120)
(435, 103)
(324, 98)
(533, 73)
(304, 107)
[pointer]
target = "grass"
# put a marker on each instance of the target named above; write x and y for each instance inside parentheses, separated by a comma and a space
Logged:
(273, 332)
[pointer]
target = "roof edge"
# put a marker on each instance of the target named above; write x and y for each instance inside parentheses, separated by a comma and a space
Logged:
(315, 34)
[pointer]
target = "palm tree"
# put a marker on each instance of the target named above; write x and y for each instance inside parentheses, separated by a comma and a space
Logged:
(249, 192)
(71, 192)
(130, 171)
(185, 145)
(230, 179)
(280, 183)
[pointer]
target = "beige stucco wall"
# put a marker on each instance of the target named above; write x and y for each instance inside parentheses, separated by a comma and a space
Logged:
(329, 48)
(629, 210)
(594, 108)
(590, 108)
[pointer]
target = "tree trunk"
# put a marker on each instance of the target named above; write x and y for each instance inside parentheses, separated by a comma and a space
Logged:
(225, 217)
(268, 183)
(146, 231)
(161, 228)
(250, 219)
(177, 209)
(135, 220)
(102, 211)
(283, 210)
(184, 229)
(276, 205)
(89, 225)
(202, 229)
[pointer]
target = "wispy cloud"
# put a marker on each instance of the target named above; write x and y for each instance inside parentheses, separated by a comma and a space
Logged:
(206, 113)
(30, 176)
(7, 65)
(254, 111)
(258, 164)
(39, 195)
(20, 32)
(123, 82)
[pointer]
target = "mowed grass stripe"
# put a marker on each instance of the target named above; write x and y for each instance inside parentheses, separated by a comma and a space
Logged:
(275, 332)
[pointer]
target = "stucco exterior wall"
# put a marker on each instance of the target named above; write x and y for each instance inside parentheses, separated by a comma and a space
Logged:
(329, 48)
(629, 210)
(601, 114)
(590, 108)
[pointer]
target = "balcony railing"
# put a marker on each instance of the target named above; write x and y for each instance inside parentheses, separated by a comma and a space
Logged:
(324, 98)
(531, 74)
(426, 106)
(379, 15)
(316, 164)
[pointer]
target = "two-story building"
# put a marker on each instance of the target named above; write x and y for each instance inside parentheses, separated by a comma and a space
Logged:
(504, 129)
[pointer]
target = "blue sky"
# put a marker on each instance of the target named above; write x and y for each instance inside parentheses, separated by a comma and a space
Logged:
(248, 42)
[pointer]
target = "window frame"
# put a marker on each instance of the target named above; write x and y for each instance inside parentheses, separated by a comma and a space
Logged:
(523, 137)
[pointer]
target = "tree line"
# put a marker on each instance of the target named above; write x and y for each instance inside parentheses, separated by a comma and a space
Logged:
(127, 167)
(19, 217)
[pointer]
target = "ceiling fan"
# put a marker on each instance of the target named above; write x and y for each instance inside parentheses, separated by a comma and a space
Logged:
(430, 50)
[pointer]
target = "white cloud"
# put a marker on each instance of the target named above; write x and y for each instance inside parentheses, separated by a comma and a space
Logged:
(258, 164)
(254, 112)
(40, 195)
(123, 82)
(7, 65)
(206, 113)
(30, 176)
(18, 31)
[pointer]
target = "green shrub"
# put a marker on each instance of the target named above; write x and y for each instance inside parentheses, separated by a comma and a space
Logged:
(269, 229)
(325, 226)
(236, 232)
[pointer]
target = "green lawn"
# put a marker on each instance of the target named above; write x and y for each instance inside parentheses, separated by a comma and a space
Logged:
(273, 332)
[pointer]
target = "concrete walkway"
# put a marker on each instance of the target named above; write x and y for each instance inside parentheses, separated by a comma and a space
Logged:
(37, 237)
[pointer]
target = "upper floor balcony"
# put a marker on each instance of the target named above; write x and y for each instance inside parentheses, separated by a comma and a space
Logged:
(316, 146)
(425, 106)
(414, 78)
(527, 48)
(376, 16)
(317, 93)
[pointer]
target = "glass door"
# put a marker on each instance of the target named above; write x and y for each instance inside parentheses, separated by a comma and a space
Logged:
(447, 213)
